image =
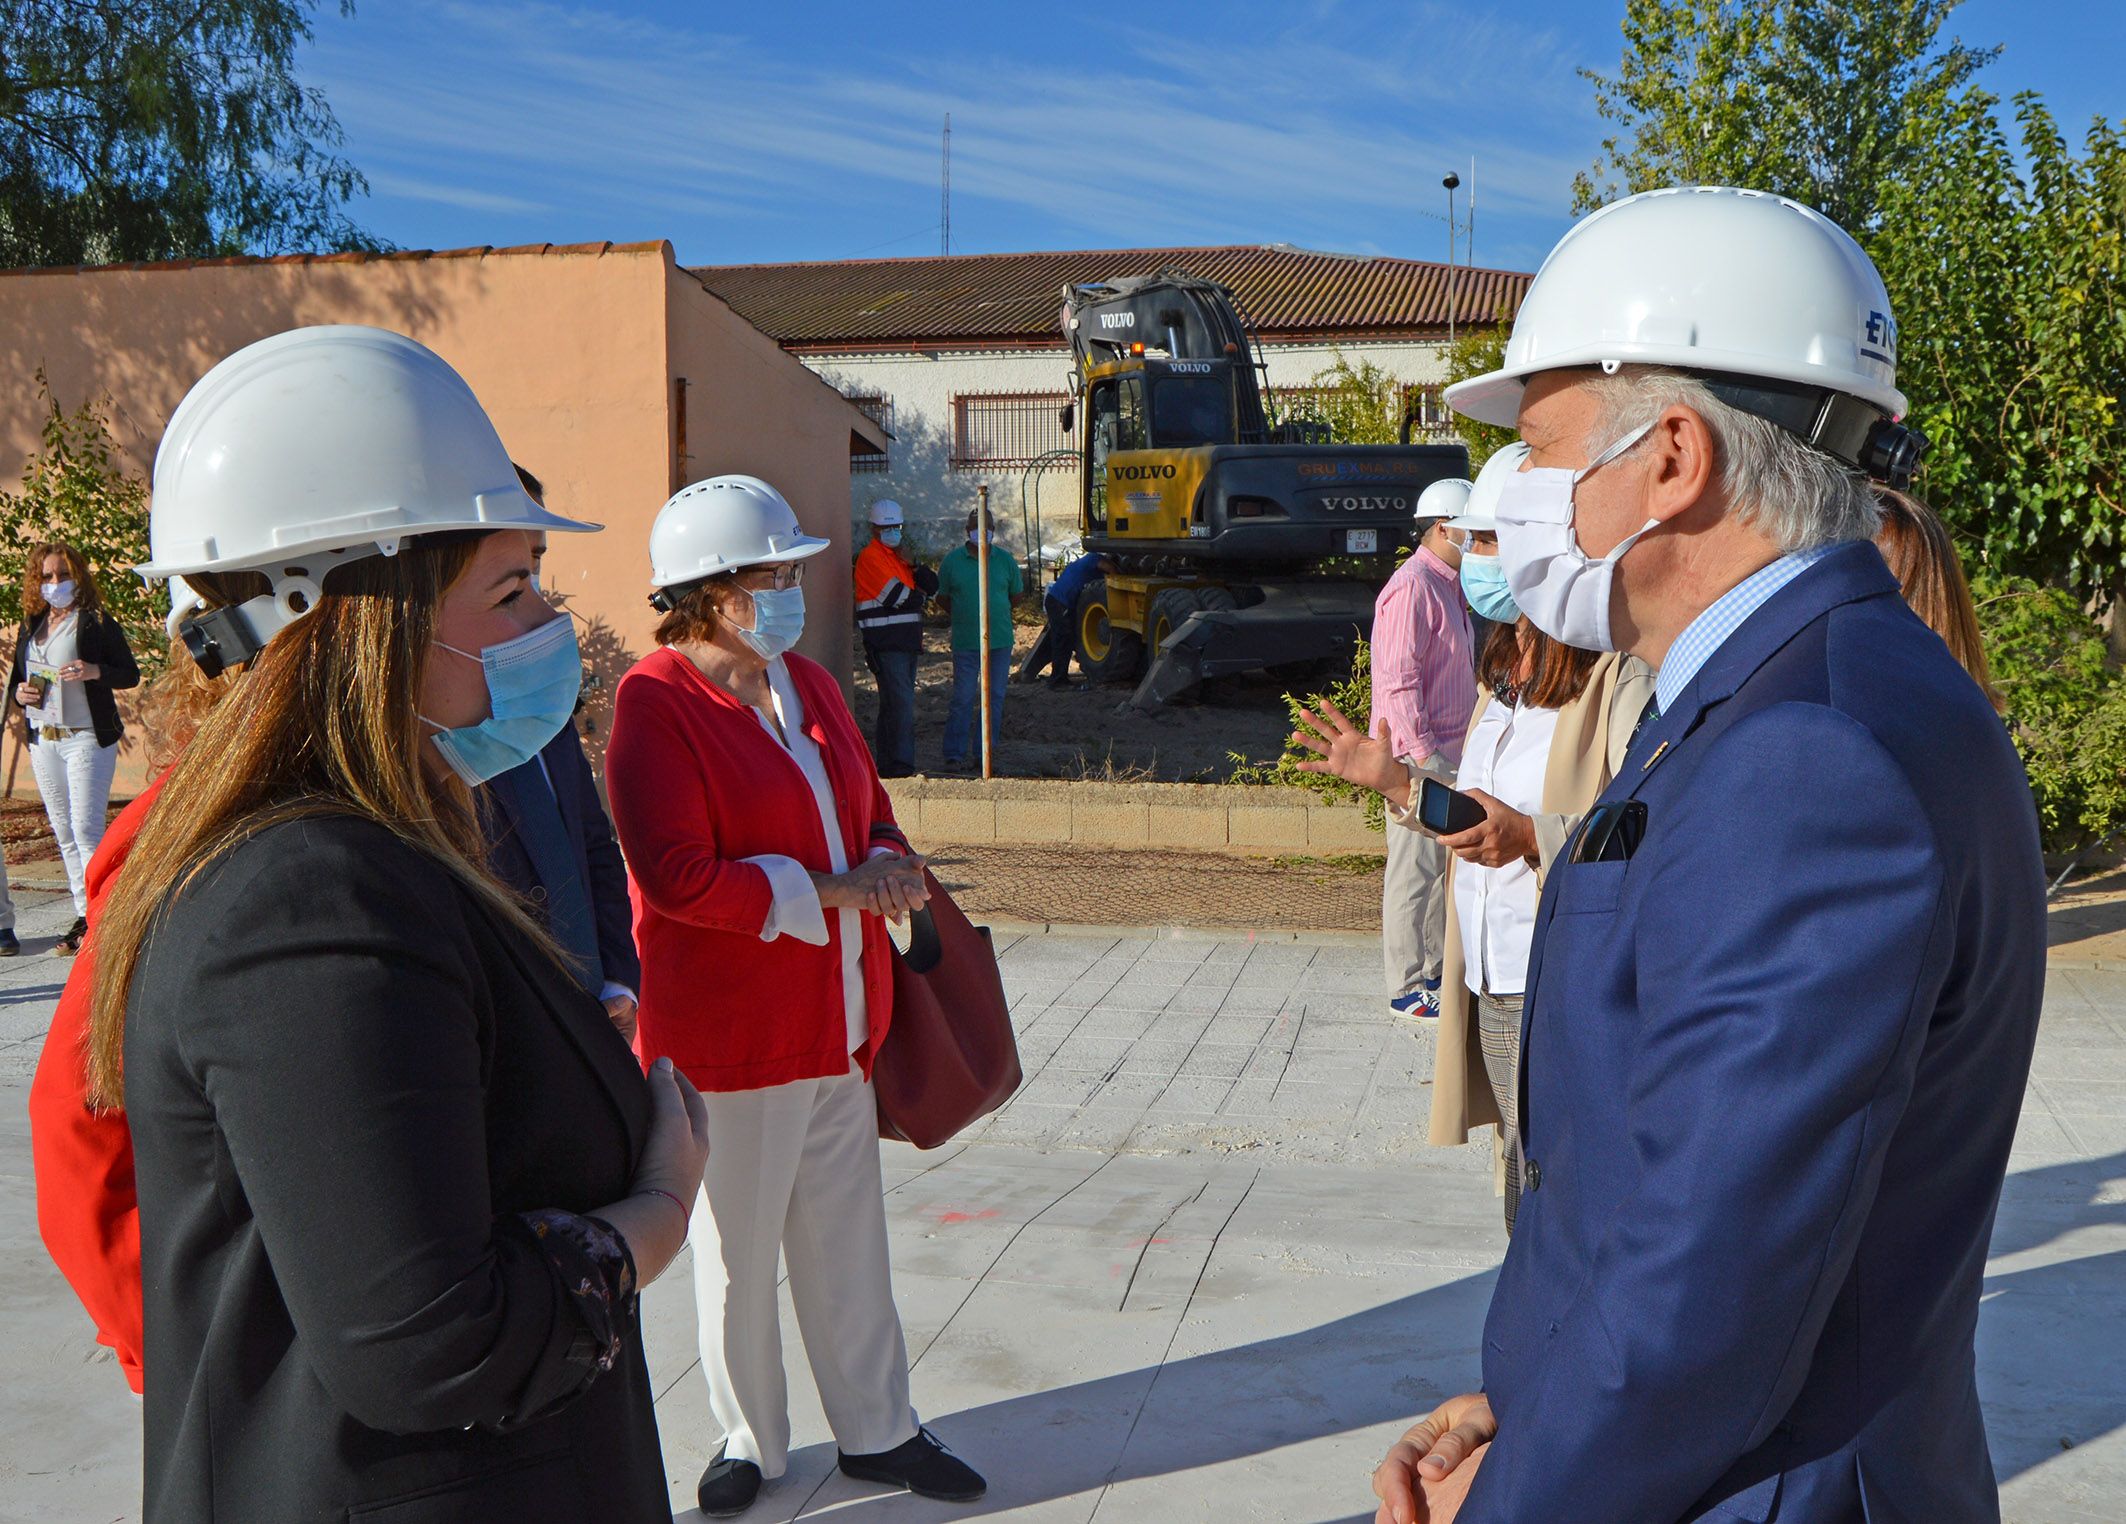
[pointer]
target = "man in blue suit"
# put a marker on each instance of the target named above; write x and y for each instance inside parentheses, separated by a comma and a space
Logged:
(1787, 979)
(549, 839)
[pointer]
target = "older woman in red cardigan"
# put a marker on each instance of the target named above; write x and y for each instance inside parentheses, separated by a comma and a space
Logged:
(764, 862)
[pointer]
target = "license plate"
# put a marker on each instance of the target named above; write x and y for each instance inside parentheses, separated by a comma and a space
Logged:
(1359, 542)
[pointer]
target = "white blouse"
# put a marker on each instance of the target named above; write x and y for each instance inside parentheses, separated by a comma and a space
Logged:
(1506, 755)
(796, 910)
(65, 704)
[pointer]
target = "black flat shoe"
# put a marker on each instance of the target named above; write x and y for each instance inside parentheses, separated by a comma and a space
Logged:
(9, 947)
(923, 1465)
(728, 1487)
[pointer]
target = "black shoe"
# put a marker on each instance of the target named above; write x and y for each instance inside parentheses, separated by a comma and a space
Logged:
(923, 1465)
(728, 1487)
(9, 947)
(70, 944)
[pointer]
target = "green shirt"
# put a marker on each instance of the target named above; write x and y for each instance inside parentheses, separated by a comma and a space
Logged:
(959, 584)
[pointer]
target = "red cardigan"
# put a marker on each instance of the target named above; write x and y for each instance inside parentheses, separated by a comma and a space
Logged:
(697, 784)
(86, 1206)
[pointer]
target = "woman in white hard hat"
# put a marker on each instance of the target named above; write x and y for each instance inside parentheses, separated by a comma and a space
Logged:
(1548, 732)
(399, 1179)
(765, 860)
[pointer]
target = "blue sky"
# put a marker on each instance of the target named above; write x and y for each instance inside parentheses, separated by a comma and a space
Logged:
(810, 130)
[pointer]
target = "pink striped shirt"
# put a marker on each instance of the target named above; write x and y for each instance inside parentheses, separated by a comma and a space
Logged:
(1424, 667)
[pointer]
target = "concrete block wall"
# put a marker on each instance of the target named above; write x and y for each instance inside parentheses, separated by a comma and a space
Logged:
(1188, 817)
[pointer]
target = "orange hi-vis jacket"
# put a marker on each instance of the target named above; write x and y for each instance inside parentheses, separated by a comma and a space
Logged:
(889, 599)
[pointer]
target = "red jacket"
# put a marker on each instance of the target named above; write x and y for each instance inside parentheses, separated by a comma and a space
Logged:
(696, 785)
(83, 1159)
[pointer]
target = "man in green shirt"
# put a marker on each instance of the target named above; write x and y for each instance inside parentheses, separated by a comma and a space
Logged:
(959, 584)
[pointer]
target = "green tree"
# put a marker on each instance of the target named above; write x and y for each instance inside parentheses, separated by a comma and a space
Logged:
(159, 129)
(1826, 101)
(2010, 290)
(75, 489)
(1358, 403)
(1478, 349)
(2004, 259)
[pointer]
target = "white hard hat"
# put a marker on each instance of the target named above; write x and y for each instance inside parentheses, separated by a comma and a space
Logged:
(1703, 278)
(886, 514)
(1481, 515)
(722, 524)
(1443, 499)
(313, 448)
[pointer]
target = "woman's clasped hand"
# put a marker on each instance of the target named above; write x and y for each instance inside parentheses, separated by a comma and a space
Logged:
(890, 885)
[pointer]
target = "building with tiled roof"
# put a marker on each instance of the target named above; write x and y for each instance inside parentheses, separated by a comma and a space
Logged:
(961, 357)
(1288, 295)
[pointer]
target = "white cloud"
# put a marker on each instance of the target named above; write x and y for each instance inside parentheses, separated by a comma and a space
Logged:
(1331, 130)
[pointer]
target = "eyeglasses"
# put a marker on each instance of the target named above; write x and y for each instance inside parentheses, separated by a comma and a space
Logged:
(760, 578)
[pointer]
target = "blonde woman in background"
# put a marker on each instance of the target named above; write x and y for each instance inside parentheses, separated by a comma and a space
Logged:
(70, 658)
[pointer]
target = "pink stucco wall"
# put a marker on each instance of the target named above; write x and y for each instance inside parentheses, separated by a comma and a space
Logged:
(573, 351)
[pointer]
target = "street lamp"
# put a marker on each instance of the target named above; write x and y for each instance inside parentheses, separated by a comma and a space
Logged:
(1450, 182)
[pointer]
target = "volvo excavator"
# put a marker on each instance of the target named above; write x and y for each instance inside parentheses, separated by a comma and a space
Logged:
(1240, 542)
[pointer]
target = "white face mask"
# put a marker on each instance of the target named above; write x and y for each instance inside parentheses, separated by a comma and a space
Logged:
(1563, 591)
(58, 594)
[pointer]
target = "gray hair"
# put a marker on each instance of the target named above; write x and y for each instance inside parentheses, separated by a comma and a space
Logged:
(1798, 496)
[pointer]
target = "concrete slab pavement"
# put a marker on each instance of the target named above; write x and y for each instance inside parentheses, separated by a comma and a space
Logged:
(1203, 1267)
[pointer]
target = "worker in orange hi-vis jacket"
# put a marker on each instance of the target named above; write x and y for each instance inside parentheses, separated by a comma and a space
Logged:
(890, 592)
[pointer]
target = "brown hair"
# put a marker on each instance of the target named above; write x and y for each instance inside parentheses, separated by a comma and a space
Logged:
(1916, 544)
(86, 596)
(324, 722)
(1560, 674)
(693, 618)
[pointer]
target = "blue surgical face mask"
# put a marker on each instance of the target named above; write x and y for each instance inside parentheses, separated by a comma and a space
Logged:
(1484, 585)
(889, 538)
(778, 619)
(532, 684)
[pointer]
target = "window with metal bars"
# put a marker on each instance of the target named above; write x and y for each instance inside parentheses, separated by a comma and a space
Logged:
(1007, 429)
(878, 407)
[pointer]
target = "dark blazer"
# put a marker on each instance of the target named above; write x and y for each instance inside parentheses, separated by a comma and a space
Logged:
(101, 640)
(595, 852)
(1773, 1063)
(345, 1077)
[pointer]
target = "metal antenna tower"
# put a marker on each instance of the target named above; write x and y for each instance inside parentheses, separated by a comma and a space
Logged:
(945, 194)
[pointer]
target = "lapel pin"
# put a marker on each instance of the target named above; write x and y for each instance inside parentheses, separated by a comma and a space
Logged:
(1650, 761)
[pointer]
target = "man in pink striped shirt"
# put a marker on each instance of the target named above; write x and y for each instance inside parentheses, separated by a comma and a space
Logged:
(1424, 688)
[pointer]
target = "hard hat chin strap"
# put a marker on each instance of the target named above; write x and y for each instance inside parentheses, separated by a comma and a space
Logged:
(230, 637)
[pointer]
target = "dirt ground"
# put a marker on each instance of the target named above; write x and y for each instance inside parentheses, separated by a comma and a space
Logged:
(1100, 886)
(1079, 734)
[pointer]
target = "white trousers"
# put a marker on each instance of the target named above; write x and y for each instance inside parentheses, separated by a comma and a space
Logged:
(795, 1167)
(74, 776)
(1413, 900)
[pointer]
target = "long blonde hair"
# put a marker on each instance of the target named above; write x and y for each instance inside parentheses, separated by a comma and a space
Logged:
(1922, 556)
(323, 723)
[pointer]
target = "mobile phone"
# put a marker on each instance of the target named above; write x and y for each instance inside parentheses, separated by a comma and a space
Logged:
(1447, 812)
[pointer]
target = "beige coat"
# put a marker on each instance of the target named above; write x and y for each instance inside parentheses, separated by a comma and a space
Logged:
(1593, 732)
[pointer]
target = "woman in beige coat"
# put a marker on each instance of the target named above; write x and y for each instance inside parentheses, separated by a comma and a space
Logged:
(1597, 703)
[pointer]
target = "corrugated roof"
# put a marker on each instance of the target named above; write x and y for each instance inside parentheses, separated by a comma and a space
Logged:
(1014, 298)
(352, 257)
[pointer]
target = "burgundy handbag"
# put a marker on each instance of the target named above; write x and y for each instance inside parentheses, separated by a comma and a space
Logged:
(950, 1056)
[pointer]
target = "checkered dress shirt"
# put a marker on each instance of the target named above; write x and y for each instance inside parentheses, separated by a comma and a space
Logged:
(1710, 630)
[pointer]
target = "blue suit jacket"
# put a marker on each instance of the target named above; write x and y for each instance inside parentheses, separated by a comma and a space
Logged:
(1773, 1064)
(594, 853)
